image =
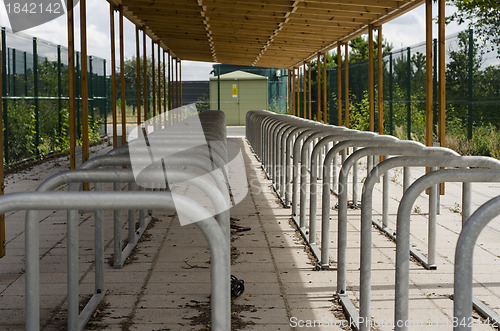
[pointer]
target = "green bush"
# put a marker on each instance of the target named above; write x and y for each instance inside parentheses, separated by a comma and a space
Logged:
(19, 131)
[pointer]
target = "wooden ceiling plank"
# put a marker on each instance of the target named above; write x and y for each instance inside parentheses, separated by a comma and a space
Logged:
(298, 29)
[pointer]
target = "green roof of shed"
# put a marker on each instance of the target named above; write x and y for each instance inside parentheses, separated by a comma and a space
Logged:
(239, 75)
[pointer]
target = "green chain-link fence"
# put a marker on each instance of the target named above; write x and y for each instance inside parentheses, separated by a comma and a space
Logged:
(472, 94)
(35, 97)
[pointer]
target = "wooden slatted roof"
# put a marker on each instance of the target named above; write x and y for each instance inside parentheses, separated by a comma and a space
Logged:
(268, 33)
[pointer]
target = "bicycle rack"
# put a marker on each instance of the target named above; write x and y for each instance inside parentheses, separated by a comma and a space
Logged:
(403, 221)
(216, 230)
(117, 200)
(463, 299)
(278, 139)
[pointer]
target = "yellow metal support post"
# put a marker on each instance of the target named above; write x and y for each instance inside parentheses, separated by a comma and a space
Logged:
(428, 78)
(318, 115)
(380, 71)
(346, 82)
(145, 75)
(293, 92)
(122, 81)
(309, 88)
(289, 91)
(159, 81)
(180, 81)
(71, 84)
(441, 78)
(138, 73)
(169, 64)
(298, 91)
(179, 85)
(339, 84)
(153, 76)
(428, 73)
(113, 76)
(371, 103)
(171, 88)
(304, 87)
(84, 81)
(176, 86)
(164, 84)
(325, 106)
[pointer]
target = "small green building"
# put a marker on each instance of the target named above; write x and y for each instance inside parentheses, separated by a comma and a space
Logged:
(239, 92)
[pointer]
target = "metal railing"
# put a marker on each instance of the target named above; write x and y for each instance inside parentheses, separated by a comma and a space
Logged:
(115, 168)
(316, 147)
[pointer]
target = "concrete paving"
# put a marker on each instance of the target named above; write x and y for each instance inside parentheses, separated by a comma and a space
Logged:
(165, 285)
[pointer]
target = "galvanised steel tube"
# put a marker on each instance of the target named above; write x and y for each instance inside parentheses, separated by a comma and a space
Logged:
(295, 167)
(261, 139)
(267, 123)
(421, 157)
(466, 202)
(280, 138)
(258, 135)
(98, 249)
(273, 141)
(115, 176)
(284, 130)
(342, 197)
(340, 136)
(288, 168)
(126, 176)
(462, 297)
(215, 142)
(270, 122)
(342, 202)
(288, 131)
(221, 317)
(303, 178)
(274, 146)
(403, 220)
(202, 163)
(258, 139)
(182, 145)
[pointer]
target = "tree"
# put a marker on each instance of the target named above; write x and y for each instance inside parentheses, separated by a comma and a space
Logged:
(130, 73)
(457, 77)
(359, 49)
(484, 18)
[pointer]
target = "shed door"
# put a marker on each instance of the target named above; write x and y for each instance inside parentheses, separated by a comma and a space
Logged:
(231, 102)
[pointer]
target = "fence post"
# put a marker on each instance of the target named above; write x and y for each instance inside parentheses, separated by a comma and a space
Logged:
(78, 97)
(218, 87)
(59, 92)
(435, 88)
(408, 86)
(105, 89)
(391, 100)
(2, 112)
(91, 92)
(35, 94)
(14, 72)
(471, 73)
(25, 74)
(4, 94)
(7, 71)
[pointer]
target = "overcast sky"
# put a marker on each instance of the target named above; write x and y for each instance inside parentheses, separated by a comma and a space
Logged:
(404, 31)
